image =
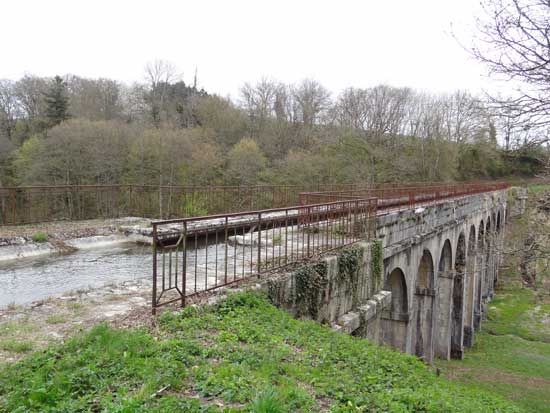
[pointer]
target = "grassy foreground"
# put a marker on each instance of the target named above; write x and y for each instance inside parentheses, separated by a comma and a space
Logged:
(242, 356)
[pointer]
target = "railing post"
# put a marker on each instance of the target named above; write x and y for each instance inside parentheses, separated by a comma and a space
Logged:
(184, 269)
(225, 243)
(14, 206)
(259, 265)
(154, 295)
(308, 229)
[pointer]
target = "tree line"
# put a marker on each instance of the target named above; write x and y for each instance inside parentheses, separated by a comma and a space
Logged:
(75, 130)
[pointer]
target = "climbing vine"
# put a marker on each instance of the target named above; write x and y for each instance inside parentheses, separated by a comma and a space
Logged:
(311, 281)
(349, 265)
(376, 262)
(273, 291)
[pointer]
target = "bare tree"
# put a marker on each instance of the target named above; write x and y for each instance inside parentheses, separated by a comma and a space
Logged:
(159, 74)
(30, 92)
(8, 108)
(513, 40)
(94, 99)
(312, 100)
(259, 102)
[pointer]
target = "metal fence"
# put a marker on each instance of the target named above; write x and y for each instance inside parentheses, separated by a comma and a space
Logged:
(403, 198)
(195, 255)
(32, 204)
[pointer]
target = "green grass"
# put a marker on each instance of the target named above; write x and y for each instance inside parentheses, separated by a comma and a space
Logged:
(56, 319)
(242, 356)
(39, 236)
(538, 188)
(15, 346)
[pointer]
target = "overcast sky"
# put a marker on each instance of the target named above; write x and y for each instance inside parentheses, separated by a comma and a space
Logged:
(340, 43)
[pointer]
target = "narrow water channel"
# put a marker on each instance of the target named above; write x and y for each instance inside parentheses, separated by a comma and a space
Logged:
(25, 280)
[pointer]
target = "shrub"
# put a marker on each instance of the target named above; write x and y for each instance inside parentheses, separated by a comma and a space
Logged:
(40, 237)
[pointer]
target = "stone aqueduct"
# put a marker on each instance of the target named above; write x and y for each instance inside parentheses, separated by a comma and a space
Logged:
(441, 271)
(440, 266)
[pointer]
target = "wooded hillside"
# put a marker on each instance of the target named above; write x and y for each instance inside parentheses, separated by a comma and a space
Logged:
(73, 130)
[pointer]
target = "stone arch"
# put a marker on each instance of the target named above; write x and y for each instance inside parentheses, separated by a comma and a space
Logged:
(423, 308)
(396, 319)
(470, 288)
(479, 275)
(457, 313)
(443, 298)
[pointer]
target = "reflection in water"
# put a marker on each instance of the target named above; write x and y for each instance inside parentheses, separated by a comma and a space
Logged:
(26, 280)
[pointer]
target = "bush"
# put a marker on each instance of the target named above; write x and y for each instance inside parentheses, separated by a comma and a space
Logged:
(40, 237)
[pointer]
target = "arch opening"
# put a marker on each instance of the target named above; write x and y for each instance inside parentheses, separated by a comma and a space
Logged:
(422, 327)
(479, 275)
(457, 313)
(395, 321)
(470, 280)
(443, 298)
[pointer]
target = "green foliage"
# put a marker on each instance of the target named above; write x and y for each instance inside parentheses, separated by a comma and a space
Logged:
(243, 355)
(57, 102)
(195, 206)
(349, 264)
(311, 280)
(40, 237)
(15, 345)
(246, 163)
(376, 261)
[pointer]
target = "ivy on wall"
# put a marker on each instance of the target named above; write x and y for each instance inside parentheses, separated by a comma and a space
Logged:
(311, 281)
(349, 265)
(376, 262)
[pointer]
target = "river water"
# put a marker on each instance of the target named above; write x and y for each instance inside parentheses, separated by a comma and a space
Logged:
(25, 280)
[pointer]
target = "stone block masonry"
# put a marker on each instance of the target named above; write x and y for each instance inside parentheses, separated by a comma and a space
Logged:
(435, 272)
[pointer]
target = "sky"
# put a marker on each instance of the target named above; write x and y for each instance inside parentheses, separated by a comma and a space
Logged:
(340, 43)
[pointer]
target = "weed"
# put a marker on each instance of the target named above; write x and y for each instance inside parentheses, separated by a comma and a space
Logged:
(15, 346)
(56, 319)
(40, 237)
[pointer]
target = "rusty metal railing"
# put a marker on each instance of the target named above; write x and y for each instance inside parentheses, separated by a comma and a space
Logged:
(403, 198)
(195, 255)
(32, 204)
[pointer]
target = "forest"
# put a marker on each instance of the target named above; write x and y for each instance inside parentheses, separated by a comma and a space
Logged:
(164, 131)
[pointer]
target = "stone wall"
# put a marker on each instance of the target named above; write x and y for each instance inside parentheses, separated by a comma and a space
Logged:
(343, 290)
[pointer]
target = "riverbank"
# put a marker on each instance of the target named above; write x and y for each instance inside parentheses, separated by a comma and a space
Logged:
(27, 328)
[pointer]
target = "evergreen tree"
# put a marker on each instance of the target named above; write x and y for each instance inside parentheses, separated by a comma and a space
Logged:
(57, 102)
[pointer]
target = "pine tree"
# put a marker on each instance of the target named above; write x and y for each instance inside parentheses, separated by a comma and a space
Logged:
(57, 102)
